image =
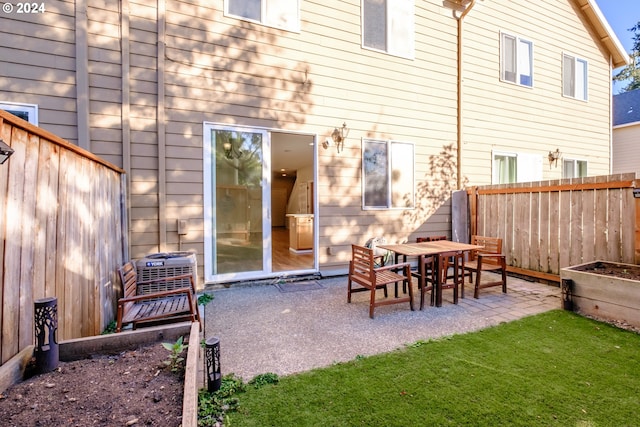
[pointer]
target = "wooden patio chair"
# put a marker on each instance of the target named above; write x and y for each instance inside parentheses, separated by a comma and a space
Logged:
(363, 272)
(429, 269)
(430, 261)
(448, 260)
(490, 258)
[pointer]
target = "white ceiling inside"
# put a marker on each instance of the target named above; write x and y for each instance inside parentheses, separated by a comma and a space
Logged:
(291, 152)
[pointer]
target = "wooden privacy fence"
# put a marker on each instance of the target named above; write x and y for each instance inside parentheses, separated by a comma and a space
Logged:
(62, 234)
(548, 225)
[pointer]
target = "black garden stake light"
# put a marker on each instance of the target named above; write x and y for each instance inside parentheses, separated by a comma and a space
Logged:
(212, 359)
(46, 328)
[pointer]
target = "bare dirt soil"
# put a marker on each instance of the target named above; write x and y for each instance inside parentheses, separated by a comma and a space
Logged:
(131, 388)
(631, 272)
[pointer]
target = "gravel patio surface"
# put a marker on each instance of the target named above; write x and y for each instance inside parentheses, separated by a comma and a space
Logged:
(263, 329)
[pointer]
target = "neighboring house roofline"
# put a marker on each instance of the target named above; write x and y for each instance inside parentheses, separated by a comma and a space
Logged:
(626, 108)
(619, 56)
(626, 125)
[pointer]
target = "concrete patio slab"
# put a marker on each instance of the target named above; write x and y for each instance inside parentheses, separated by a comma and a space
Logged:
(262, 329)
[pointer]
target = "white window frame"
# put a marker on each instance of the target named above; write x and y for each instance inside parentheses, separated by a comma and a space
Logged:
(393, 167)
(31, 110)
(519, 55)
(399, 27)
(528, 167)
(572, 90)
(495, 170)
(282, 14)
(575, 165)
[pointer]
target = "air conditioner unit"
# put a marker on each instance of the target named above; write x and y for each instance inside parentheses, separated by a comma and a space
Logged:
(166, 264)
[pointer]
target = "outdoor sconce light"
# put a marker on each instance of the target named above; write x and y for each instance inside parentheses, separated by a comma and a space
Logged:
(553, 157)
(339, 135)
(212, 360)
(5, 152)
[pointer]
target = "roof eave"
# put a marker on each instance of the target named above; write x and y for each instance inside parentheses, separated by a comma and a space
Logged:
(619, 56)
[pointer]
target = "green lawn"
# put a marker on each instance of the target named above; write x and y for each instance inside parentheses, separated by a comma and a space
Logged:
(553, 369)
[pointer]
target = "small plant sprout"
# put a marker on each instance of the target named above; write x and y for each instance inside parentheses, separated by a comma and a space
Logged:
(205, 299)
(174, 362)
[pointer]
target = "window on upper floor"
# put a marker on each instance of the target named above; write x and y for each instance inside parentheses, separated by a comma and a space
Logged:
(388, 26)
(515, 167)
(572, 168)
(387, 174)
(574, 77)
(28, 112)
(284, 14)
(516, 60)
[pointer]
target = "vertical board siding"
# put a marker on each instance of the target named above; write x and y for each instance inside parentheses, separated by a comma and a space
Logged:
(62, 234)
(548, 225)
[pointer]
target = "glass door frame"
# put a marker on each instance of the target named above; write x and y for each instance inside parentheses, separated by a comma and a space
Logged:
(209, 183)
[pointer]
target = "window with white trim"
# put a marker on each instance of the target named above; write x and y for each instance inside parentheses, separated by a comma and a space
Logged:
(387, 174)
(388, 26)
(516, 60)
(284, 14)
(572, 168)
(28, 112)
(574, 77)
(509, 168)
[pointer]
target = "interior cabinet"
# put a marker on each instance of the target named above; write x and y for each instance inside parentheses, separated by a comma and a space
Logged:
(300, 233)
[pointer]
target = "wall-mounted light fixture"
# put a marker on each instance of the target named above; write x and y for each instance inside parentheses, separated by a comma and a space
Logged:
(5, 152)
(339, 135)
(553, 157)
(231, 151)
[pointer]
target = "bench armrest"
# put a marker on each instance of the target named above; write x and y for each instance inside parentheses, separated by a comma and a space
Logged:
(399, 266)
(172, 292)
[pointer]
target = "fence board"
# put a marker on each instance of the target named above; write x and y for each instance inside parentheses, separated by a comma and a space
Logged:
(589, 231)
(544, 224)
(11, 285)
(548, 225)
(575, 227)
(613, 224)
(61, 221)
(28, 214)
(565, 229)
(628, 222)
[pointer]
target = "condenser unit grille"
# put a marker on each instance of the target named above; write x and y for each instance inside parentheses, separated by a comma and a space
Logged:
(161, 265)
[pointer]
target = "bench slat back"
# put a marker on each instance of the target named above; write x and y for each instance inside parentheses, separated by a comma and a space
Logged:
(128, 277)
(362, 263)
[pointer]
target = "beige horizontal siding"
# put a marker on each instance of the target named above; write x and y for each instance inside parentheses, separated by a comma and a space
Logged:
(539, 119)
(626, 149)
(224, 70)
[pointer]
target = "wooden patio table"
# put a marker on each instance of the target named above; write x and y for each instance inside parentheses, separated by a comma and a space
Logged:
(424, 249)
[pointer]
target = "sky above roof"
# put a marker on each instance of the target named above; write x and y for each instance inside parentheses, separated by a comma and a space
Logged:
(621, 15)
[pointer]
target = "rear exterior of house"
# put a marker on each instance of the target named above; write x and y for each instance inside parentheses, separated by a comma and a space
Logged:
(625, 156)
(209, 104)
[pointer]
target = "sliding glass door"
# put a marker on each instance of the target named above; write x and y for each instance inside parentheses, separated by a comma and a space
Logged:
(237, 203)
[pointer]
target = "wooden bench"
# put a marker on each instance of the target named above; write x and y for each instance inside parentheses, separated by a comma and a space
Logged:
(170, 304)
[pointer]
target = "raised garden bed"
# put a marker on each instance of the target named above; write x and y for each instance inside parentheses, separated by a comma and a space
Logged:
(605, 290)
(121, 372)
